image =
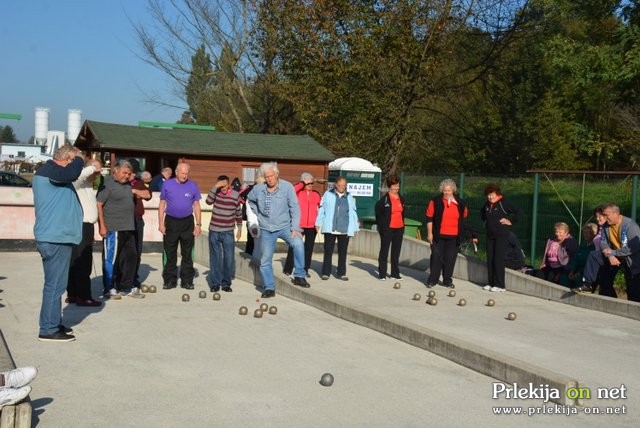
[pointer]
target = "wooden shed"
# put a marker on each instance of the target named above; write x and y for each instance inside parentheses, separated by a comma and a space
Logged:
(210, 153)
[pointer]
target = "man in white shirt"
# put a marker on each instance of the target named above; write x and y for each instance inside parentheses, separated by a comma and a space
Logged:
(79, 285)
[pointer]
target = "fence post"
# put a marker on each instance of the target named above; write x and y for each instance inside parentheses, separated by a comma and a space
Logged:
(534, 218)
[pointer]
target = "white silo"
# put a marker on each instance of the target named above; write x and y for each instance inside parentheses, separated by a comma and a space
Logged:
(74, 124)
(55, 140)
(42, 125)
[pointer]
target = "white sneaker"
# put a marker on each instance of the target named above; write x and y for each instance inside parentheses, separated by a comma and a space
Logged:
(17, 378)
(487, 287)
(135, 293)
(498, 289)
(9, 396)
(114, 295)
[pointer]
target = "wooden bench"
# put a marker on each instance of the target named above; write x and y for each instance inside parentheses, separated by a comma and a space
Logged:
(18, 415)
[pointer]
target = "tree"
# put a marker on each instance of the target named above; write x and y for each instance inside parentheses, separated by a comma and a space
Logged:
(371, 78)
(222, 79)
(197, 85)
(7, 135)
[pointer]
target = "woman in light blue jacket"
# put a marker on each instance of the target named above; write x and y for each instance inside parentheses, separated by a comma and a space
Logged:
(337, 220)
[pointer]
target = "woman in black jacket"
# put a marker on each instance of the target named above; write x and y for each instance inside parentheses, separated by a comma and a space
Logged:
(390, 211)
(498, 215)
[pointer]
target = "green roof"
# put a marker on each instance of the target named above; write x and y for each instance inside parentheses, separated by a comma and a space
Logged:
(111, 136)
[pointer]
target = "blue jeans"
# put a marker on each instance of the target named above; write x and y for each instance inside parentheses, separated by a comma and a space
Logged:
(55, 262)
(221, 258)
(268, 245)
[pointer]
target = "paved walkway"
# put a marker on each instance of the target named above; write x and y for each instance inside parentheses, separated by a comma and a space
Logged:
(161, 362)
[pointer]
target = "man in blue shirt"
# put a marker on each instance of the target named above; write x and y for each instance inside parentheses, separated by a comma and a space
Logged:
(58, 228)
(276, 205)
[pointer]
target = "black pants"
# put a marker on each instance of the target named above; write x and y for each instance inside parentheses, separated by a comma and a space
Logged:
(329, 244)
(118, 260)
(139, 223)
(250, 243)
(597, 270)
(390, 237)
(632, 281)
(179, 231)
(309, 234)
(444, 253)
(496, 247)
(79, 283)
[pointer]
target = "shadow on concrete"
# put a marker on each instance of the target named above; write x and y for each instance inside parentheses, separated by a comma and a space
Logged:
(38, 407)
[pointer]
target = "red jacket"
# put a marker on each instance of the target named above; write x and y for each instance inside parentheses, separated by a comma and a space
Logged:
(309, 202)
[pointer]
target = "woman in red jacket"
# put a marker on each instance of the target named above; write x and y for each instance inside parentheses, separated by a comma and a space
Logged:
(445, 215)
(309, 201)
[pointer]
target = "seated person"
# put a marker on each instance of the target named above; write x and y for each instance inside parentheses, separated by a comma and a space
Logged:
(589, 232)
(559, 256)
(514, 255)
(597, 273)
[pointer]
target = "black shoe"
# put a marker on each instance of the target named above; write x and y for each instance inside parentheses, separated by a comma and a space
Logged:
(448, 285)
(301, 282)
(430, 284)
(186, 286)
(227, 289)
(64, 329)
(268, 293)
(584, 288)
(169, 286)
(215, 288)
(308, 275)
(58, 336)
(397, 278)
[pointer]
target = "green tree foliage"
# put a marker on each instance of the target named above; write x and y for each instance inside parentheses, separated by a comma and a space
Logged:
(197, 85)
(372, 78)
(417, 85)
(7, 135)
(563, 102)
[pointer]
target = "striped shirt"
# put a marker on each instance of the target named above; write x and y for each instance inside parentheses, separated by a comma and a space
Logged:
(226, 211)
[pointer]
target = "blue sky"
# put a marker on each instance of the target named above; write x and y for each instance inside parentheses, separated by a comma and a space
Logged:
(77, 54)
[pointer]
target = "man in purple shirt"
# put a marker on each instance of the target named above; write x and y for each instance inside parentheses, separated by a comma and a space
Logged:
(179, 203)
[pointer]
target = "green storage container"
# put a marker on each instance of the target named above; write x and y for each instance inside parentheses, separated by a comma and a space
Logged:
(412, 228)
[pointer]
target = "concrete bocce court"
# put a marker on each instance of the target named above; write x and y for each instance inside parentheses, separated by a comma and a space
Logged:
(567, 359)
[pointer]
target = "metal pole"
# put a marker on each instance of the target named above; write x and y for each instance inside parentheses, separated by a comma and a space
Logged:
(461, 186)
(534, 218)
(634, 197)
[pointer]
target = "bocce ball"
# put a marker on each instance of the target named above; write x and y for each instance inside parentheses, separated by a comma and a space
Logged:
(326, 379)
